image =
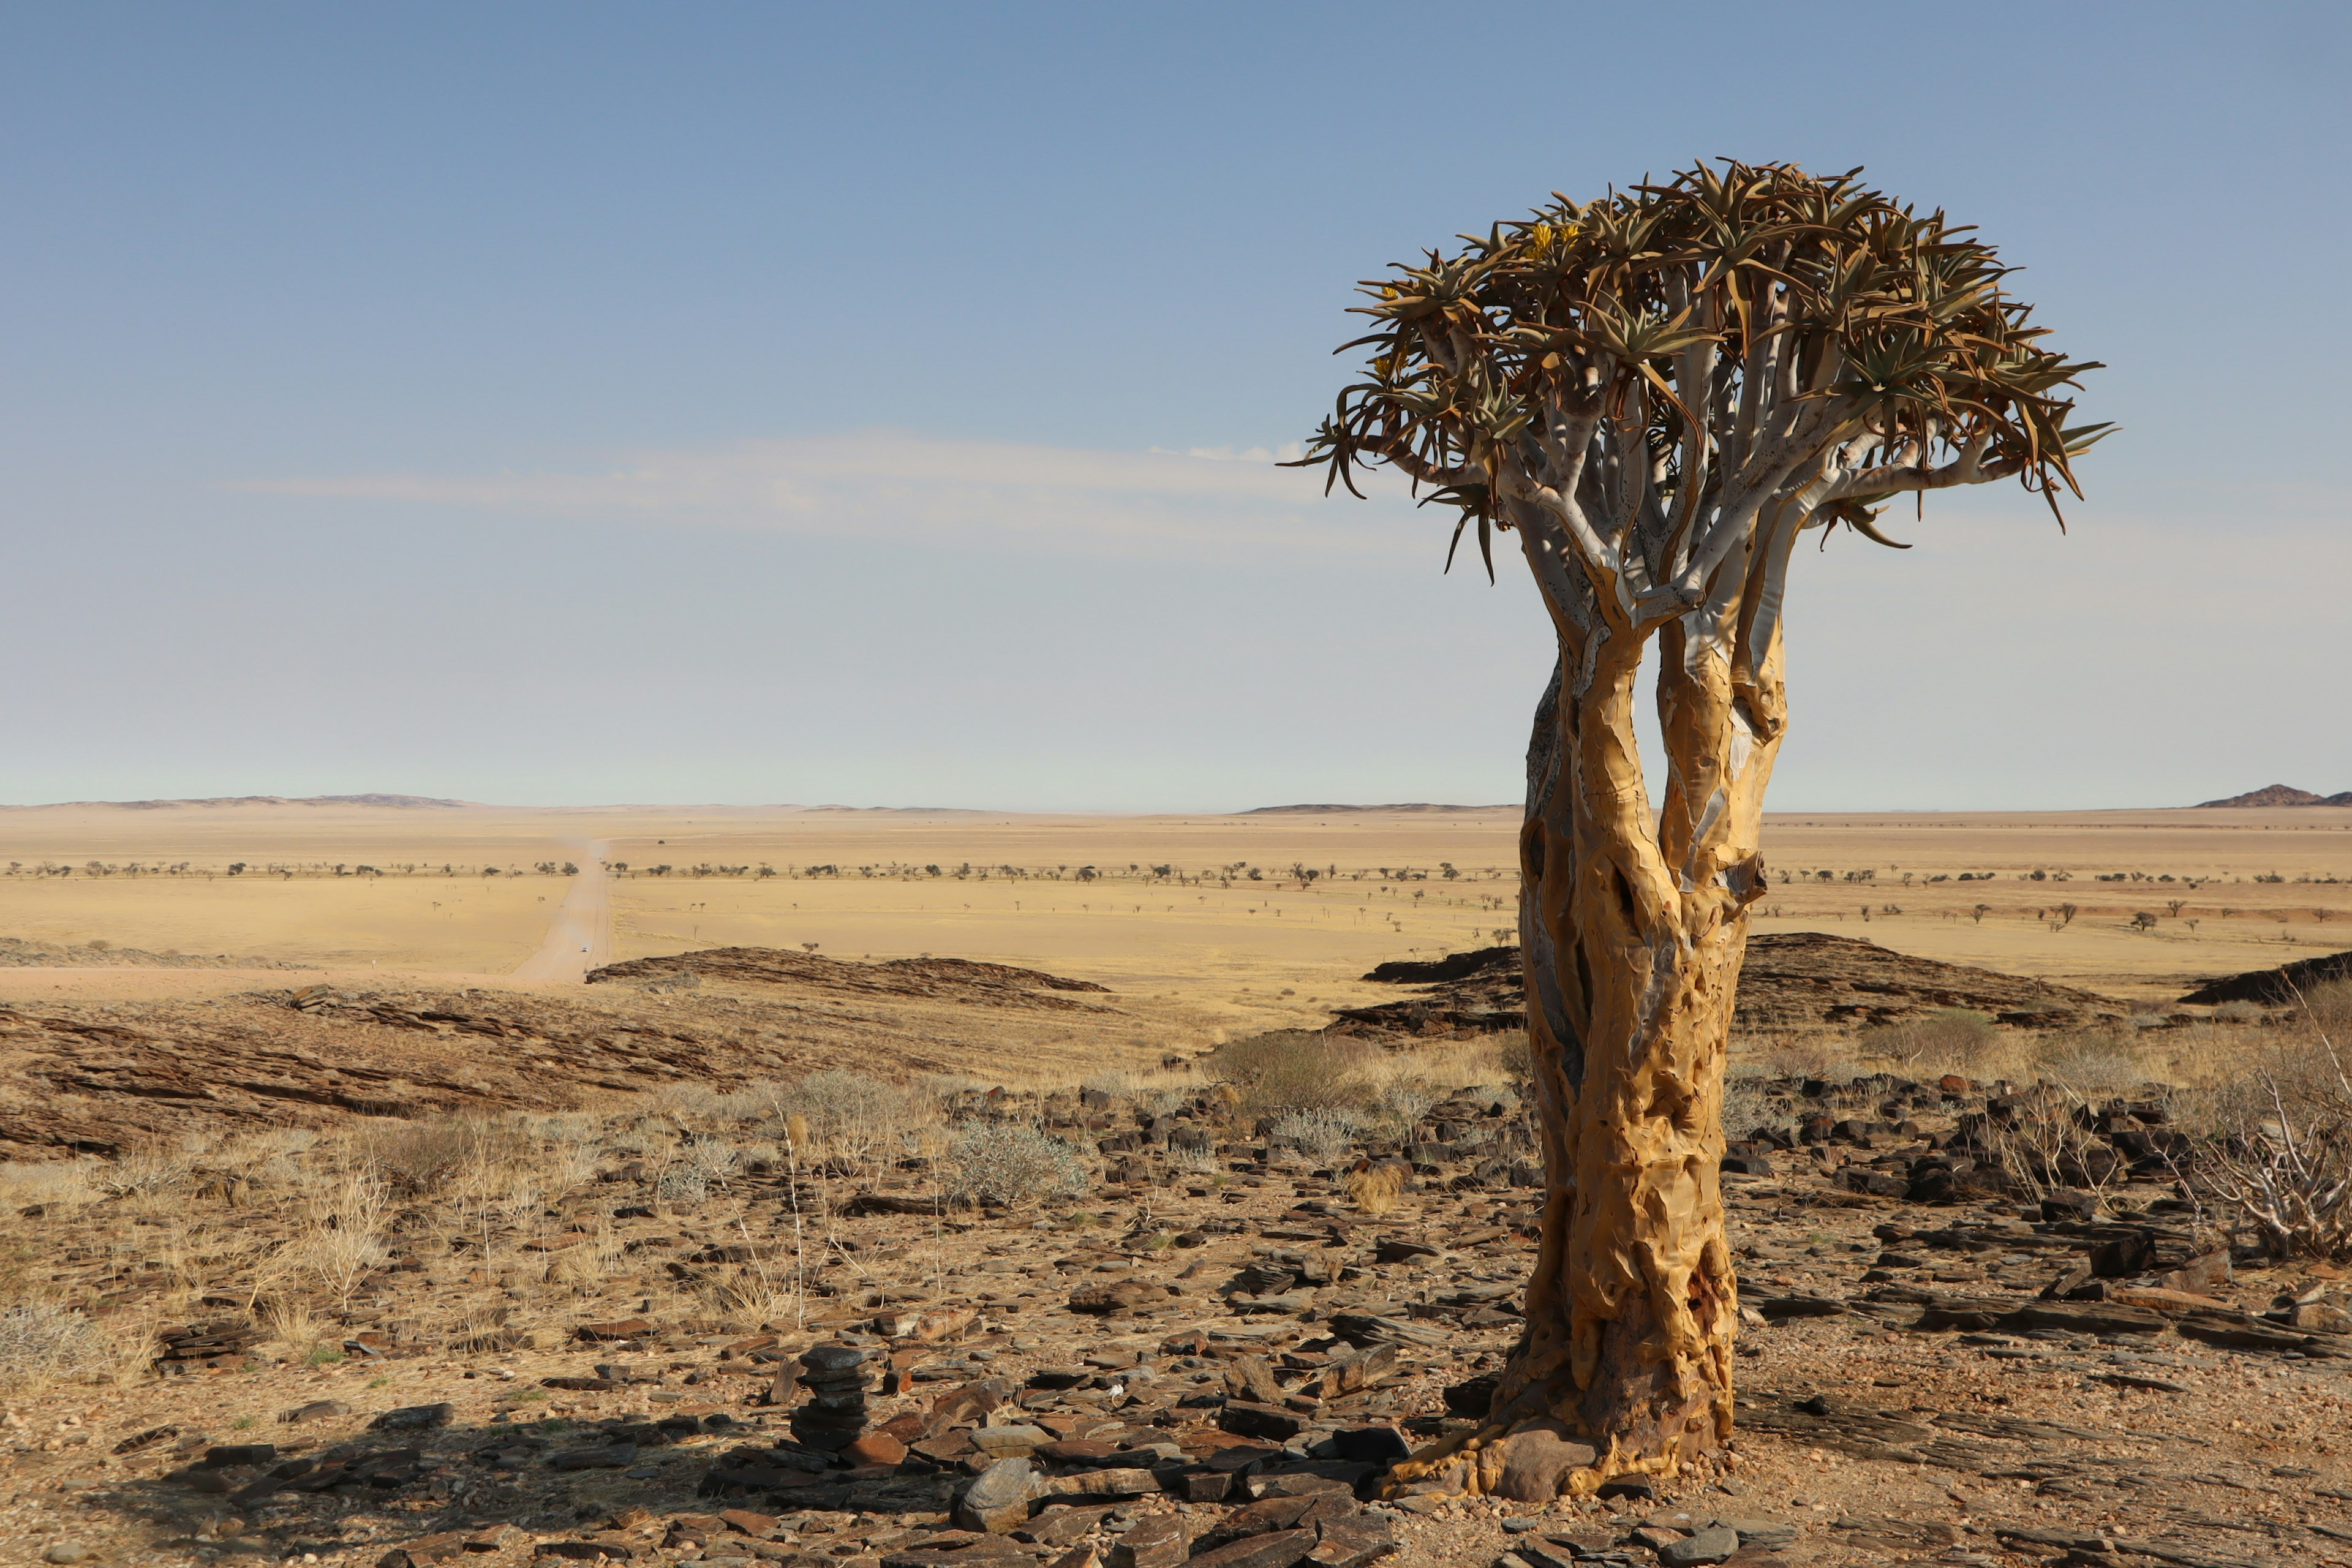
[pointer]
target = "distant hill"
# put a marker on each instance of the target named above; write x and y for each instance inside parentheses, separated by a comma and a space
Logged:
(2280, 795)
(402, 802)
(1336, 810)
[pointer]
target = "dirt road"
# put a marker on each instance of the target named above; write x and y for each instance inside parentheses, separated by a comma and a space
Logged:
(580, 937)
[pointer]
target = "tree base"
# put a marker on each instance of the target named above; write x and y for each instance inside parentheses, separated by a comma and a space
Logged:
(1535, 1460)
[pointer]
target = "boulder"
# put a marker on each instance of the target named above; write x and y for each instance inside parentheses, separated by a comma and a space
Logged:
(1535, 1464)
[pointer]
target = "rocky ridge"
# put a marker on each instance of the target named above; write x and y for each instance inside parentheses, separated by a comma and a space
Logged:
(1792, 983)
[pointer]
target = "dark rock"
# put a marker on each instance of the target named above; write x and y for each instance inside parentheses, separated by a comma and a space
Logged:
(1710, 1545)
(1372, 1445)
(1278, 1548)
(1247, 1418)
(413, 1417)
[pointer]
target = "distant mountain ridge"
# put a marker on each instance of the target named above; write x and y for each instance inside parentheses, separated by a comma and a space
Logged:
(2280, 795)
(402, 802)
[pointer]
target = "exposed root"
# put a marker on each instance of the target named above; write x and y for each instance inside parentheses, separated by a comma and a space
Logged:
(1473, 1465)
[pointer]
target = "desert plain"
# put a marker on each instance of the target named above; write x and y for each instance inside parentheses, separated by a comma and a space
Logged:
(407, 1183)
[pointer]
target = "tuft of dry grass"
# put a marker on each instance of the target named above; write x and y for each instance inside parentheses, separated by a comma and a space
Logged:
(1376, 1189)
(1943, 1040)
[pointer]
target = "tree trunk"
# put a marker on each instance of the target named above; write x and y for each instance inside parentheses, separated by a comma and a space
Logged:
(1631, 934)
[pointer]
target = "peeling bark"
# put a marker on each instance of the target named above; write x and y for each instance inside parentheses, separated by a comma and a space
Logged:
(1632, 929)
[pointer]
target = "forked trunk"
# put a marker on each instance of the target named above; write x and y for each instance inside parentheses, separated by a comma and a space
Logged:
(1632, 929)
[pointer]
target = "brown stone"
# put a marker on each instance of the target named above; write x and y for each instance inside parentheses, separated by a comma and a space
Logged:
(744, 1522)
(1104, 1299)
(1535, 1464)
(1060, 1526)
(1351, 1542)
(879, 1447)
(1248, 1419)
(621, 1328)
(1279, 1549)
(1157, 1542)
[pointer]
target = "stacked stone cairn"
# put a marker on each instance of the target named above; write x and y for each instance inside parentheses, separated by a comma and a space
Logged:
(838, 1380)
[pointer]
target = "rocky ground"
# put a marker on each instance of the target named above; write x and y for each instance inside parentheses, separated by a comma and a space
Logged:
(744, 1327)
(103, 1079)
(1793, 982)
(15, 953)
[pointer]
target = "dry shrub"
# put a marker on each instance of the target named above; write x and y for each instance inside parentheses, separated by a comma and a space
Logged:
(145, 1173)
(41, 1341)
(1295, 1069)
(419, 1157)
(340, 1238)
(1403, 1101)
(2098, 1061)
(1946, 1039)
(1804, 1055)
(1321, 1135)
(1747, 1107)
(1377, 1189)
(52, 1184)
(1516, 1056)
(2275, 1151)
(1006, 1164)
(2327, 1007)
(849, 1114)
(2047, 1148)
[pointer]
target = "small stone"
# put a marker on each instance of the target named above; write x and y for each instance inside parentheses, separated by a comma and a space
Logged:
(1245, 1419)
(606, 1333)
(1157, 1542)
(413, 1417)
(999, 1442)
(998, 1499)
(617, 1456)
(1351, 1542)
(316, 1409)
(876, 1448)
(69, 1551)
(744, 1522)
(1766, 1534)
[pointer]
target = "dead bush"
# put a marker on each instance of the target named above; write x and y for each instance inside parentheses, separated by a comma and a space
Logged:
(1295, 1069)
(1321, 1135)
(419, 1157)
(42, 1341)
(1747, 1107)
(1804, 1055)
(2095, 1062)
(1946, 1040)
(2275, 1151)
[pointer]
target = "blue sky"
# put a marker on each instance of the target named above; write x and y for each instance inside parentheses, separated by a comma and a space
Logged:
(572, 404)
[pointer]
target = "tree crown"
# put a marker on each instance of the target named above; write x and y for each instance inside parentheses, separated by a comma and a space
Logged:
(1663, 387)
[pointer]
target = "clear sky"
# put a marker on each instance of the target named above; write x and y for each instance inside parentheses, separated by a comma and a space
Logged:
(874, 404)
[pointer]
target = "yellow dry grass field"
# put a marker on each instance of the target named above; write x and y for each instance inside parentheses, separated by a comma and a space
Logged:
(1248, 920)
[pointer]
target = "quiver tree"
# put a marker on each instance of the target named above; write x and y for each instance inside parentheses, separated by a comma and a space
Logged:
(1660, 393)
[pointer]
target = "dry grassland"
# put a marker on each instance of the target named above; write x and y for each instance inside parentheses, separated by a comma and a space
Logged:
(1243, 951)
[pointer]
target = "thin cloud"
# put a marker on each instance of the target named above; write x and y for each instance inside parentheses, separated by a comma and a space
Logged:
(896, 484)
